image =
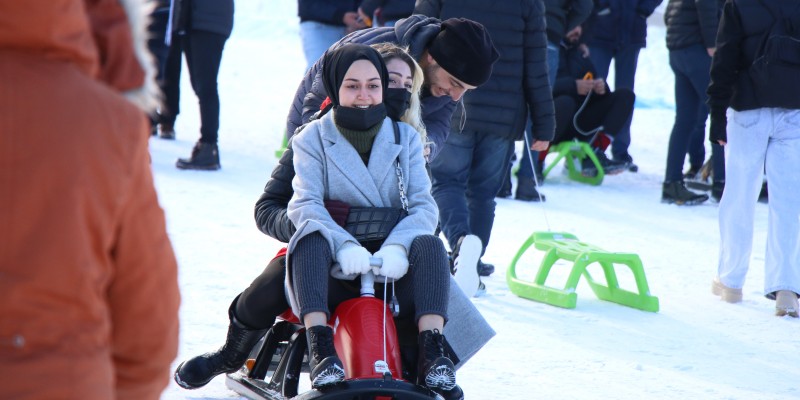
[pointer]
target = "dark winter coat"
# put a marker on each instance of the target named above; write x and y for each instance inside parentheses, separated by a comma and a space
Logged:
(563, 16)
(572, 65)
(616, 24)
(391, 10)
(518, 86)
(741, 29)
(325, 11)
(415, 32)
(691, 22)
(270, 212)
(215, 16)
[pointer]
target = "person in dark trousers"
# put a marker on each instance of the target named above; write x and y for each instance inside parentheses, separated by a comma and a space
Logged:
(691, 31)
(760, 132)
(324, 22)
(617, 30)
(576, 90)
(561, 16)
(199, 29)
(473, 161)
(384, 12)
(156, 43)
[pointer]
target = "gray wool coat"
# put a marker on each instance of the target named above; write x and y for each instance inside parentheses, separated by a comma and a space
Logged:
(328, 167)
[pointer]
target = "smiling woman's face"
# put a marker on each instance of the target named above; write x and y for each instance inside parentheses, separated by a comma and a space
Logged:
(361, 86)
(399, 74)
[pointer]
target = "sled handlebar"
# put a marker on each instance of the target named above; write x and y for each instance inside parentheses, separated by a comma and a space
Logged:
(368, 279)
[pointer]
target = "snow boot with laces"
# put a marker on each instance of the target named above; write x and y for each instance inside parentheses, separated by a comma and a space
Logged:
(677, 193)
(198, 371)
(434, 370)
(326, 367)
(205, 156)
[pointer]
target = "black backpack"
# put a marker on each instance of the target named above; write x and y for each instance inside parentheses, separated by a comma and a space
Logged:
(775, 71)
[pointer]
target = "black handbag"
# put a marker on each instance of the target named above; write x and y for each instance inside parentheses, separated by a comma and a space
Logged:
(372, 225)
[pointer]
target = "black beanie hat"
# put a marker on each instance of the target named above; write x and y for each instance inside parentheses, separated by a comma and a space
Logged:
(465, 50)
(337, 62)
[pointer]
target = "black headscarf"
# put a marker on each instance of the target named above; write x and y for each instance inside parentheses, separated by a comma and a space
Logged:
(338, 61)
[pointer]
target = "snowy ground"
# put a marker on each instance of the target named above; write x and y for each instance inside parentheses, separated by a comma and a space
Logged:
(695, 347)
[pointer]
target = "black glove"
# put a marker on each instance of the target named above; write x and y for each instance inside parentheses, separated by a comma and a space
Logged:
(719, 128)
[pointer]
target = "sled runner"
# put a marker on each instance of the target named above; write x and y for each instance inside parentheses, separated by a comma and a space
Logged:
(574, 152)
(371, 358)
(564, 246)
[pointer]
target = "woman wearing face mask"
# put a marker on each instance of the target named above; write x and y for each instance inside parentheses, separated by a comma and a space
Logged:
(349, 155)
(255, 309)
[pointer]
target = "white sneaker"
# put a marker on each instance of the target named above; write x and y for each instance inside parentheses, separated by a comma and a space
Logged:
(786, 304)
(465, 264)
(727, 294)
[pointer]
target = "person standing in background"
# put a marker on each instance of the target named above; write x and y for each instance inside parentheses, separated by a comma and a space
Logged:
(691, 31)
(561, 16)
(156, 43)
(763, 133)
(324, 22)
(198, 28)
(469, 170)
(617, 30)
(89, 290)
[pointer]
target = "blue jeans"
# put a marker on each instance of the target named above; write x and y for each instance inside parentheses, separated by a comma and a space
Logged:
(690, 66)
(466, 176)
(625, 61)
(317, 37)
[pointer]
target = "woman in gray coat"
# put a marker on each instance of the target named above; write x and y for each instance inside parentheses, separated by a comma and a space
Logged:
(352, 155)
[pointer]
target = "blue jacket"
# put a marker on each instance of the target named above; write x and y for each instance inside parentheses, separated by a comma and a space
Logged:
(415, 32)
(616, 24)
(326, 11)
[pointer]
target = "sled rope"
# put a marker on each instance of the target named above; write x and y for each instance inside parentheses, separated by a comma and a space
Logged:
(536, 180)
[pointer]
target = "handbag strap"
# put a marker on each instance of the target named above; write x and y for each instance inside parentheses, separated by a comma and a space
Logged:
(400, 185)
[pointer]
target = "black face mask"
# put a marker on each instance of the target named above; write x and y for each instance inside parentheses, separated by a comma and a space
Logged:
(397, 102)
(359, 119)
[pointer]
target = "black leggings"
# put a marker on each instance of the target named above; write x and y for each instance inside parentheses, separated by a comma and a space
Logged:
(423, 290)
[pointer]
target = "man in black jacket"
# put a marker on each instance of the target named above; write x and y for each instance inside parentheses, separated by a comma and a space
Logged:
(469, 172)
(448, 73)
(691, 31)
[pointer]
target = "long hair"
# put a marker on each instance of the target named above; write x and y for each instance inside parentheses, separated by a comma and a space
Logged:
(412, 116)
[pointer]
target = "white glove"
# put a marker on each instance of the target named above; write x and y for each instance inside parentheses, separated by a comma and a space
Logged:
(353, 259)
(395, 261)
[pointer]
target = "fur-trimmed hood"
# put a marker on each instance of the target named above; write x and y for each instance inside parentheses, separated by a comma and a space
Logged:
(106, 39)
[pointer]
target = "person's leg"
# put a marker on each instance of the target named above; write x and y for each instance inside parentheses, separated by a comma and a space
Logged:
(450, 172)
(264, 299)
(748, 137)
(697, 140)
(490, 155)
(316, 38)
(552, 62)
(203, 57)
(782, 262)
(687, 104)
(625, 62)
(428, 281)
(601, 59)
(171, 82)
(310, 271)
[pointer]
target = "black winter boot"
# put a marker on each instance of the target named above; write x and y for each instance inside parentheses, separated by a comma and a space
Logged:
(198, 371)
(434, 370)
(526, 190)
(326, 367)
(205, 156)
(676, 192)
(610, 167)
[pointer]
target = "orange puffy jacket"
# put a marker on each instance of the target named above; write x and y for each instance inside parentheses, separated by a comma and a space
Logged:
(88, 279)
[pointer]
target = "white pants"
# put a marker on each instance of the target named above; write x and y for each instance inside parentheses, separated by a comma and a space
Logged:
(765, 138)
